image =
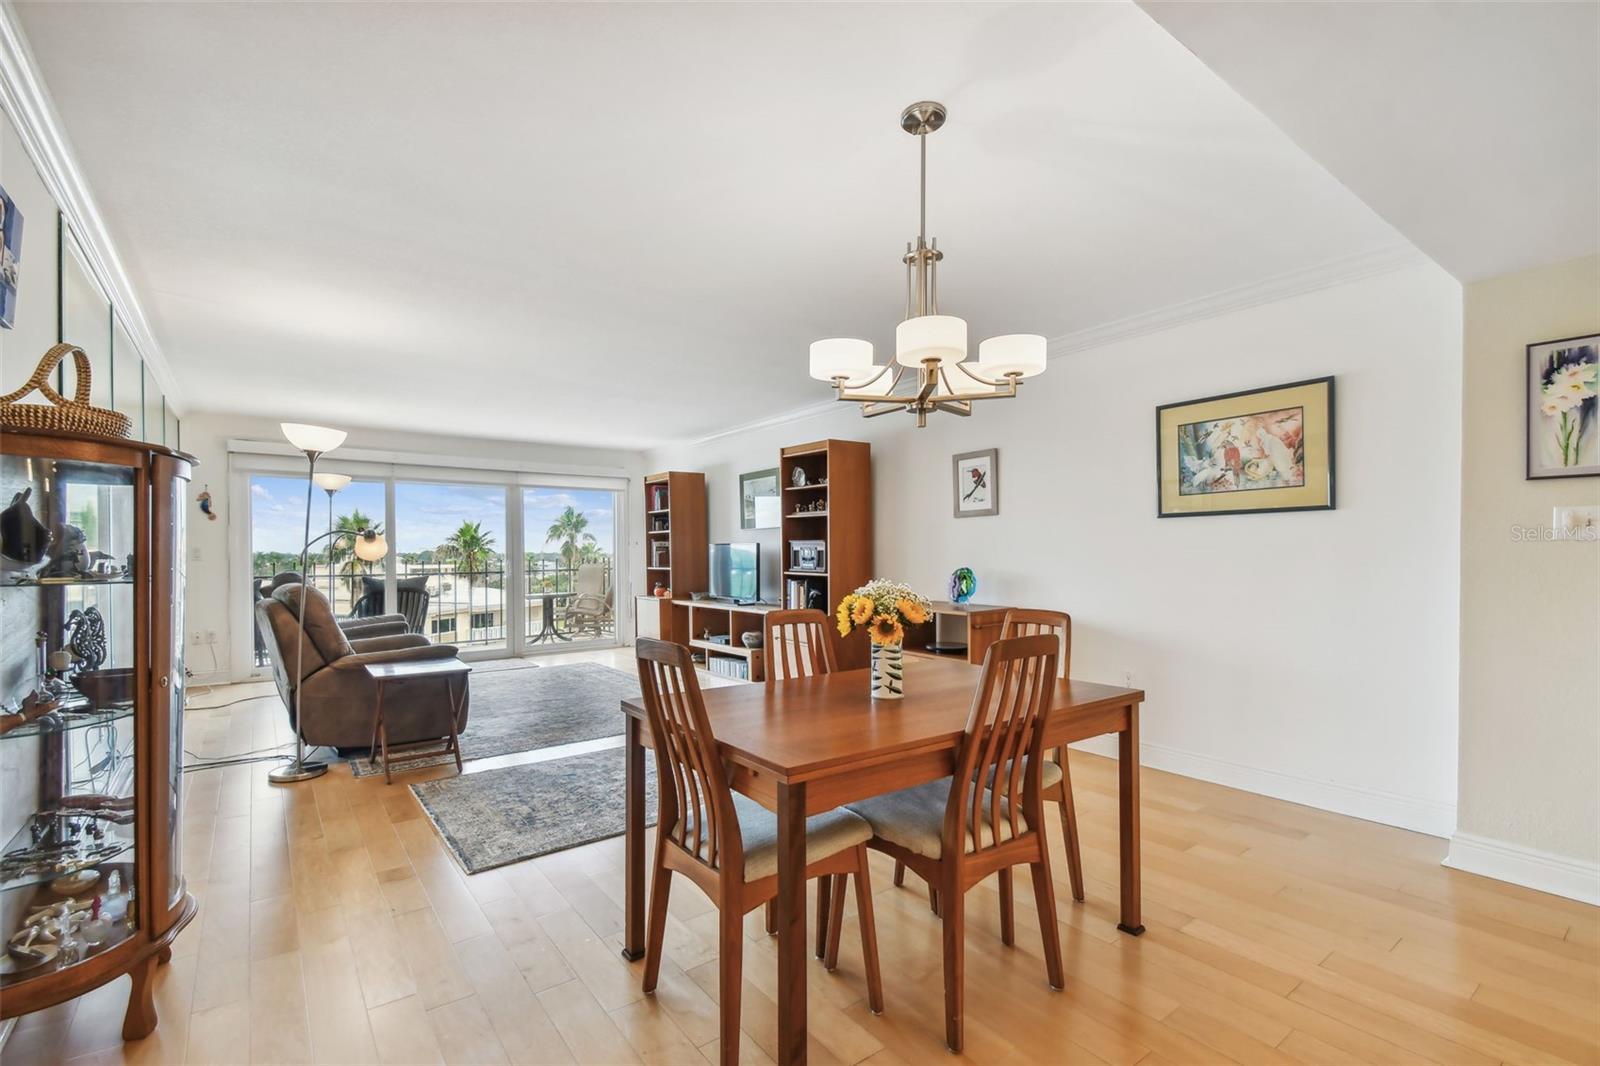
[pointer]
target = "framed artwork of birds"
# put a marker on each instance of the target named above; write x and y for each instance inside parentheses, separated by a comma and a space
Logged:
(1267, 449)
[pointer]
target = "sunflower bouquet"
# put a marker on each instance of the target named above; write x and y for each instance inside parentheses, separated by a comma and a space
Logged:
(884, 608)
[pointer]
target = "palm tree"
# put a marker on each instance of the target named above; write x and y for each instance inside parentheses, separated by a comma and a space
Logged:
(469, 547)
(570, 532)
(341, 550)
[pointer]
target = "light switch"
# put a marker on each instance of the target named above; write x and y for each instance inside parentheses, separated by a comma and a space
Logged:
(195, 555)
(1576, 523)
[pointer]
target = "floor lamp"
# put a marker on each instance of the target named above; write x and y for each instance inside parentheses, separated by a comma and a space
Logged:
(331, 484)
(315, 442)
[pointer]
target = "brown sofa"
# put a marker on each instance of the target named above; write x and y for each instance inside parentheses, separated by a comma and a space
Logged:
(338, 698)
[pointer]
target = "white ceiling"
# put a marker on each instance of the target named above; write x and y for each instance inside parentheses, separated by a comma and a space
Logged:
(1473, 127)
(620, 224)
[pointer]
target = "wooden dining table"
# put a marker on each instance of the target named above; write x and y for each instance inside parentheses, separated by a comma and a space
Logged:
(810, 744)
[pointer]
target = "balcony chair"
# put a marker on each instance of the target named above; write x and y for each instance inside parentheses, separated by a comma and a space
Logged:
(410, 592)
(375, 625)
(590, 605)
(338, 698)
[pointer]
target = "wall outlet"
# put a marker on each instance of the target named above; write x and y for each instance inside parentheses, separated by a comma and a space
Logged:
(195, 554)
(1127, 679)
(1576, 523)
(211, 636)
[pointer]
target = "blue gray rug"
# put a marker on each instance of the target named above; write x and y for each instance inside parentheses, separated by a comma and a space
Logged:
(502, 816)
(513, 710)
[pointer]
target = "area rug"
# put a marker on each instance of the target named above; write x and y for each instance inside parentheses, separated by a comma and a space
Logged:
(502, 816)
(523, 710)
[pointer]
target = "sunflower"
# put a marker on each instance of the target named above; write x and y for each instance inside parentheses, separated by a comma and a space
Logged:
(861, 611)
(886, 630)
(911, 611)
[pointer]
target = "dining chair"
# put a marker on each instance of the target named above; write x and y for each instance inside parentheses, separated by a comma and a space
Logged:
(726, 843)
(988, 816)
(796, 644)
(1057, 775)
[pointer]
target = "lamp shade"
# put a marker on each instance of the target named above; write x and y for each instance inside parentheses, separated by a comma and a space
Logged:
(1022, 354)
(370, 546)
(319, 439)
(840, 357)
(956, 381)
(940, 337)
(331, 482)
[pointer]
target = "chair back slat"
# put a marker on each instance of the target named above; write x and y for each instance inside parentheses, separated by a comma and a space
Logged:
(797, 645)
(696, 805)
(998, 770)
(1020, 622)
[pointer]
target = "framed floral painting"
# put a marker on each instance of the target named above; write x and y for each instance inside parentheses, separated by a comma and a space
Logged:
(1246, 452)
(1563, 437)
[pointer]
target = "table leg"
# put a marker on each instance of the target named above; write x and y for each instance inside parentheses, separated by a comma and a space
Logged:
(791, 923)
(455, 715)
(383, 737)
(633, 844)
(1128, 802)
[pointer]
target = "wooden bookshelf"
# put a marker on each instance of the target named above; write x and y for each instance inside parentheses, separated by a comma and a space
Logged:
(675, 545)
(837, 502)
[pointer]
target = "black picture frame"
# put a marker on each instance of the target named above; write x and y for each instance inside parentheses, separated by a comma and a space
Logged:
(1529, 404)
(1162, 510)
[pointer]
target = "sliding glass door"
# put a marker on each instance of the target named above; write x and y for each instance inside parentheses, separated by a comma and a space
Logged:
(449, 543)
(569, 557)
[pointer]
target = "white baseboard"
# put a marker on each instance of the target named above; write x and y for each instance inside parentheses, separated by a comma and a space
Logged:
(1542, 870)
(1374, 805)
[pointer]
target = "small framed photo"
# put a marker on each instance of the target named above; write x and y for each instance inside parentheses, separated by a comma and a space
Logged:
(1247, 452)
(758, 499)
(1563, 437)
(977, 483)
(10, 258)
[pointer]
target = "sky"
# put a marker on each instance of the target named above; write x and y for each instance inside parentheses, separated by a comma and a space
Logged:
(425, 515)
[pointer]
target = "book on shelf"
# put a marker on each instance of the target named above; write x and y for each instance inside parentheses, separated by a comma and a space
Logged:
(722, 666)
(658, 497)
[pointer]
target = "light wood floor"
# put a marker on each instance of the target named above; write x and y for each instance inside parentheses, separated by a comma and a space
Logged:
(335, 927)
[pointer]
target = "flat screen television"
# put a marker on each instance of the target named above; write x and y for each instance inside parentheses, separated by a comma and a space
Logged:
(736, 572)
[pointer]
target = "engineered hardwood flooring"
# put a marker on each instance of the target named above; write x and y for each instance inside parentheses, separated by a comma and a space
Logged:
(334, 927)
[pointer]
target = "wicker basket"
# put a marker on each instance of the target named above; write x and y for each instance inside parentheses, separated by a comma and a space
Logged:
(76, 415)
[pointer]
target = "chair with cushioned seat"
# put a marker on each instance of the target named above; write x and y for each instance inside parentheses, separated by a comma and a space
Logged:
(986, 818)
(726, 843)
(339, 699)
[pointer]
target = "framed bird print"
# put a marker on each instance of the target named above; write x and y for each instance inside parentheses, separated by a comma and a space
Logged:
(1247, 452)
(977, 483)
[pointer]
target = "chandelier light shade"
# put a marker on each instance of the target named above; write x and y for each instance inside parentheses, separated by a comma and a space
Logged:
(318, 439)
(939, 339)
(1022, 354)
(841, 357)
(930, 349)
(331, 482)
(370, 546)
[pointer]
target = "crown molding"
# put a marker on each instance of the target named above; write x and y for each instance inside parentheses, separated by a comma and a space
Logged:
(1326, 275)
(26, 101)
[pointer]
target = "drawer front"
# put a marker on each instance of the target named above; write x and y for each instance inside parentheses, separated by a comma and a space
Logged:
(647, 617)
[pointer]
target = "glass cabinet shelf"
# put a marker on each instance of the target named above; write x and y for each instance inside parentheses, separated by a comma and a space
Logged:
(65, 723)
(53, 862)
(64, 582)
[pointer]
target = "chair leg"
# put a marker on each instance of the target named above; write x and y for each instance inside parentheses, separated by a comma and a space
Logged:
(869, 934)
(656, 928)
(953, 920)
(1069, 827)
(1008, 918)
(730, 978)
(835, 923)
(899, 873)
(1044, 895)
(824, 894)
(772, 919)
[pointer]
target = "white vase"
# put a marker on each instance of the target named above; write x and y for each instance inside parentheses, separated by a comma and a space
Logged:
(888, 672)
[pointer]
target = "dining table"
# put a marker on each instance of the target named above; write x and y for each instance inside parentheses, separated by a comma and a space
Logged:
(809, 744)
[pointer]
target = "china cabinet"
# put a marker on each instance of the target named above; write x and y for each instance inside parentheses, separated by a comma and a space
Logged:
(91, 717)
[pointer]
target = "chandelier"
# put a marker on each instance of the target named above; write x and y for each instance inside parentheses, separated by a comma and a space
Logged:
(929, 345)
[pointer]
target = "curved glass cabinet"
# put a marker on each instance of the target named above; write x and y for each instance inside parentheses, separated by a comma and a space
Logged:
(91, 717)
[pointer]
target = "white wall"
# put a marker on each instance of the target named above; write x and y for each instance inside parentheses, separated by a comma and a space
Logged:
(1311, 656)
(1530, 608)
(212, 605)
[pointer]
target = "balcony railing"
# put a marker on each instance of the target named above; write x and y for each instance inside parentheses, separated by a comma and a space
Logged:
(468, 609)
